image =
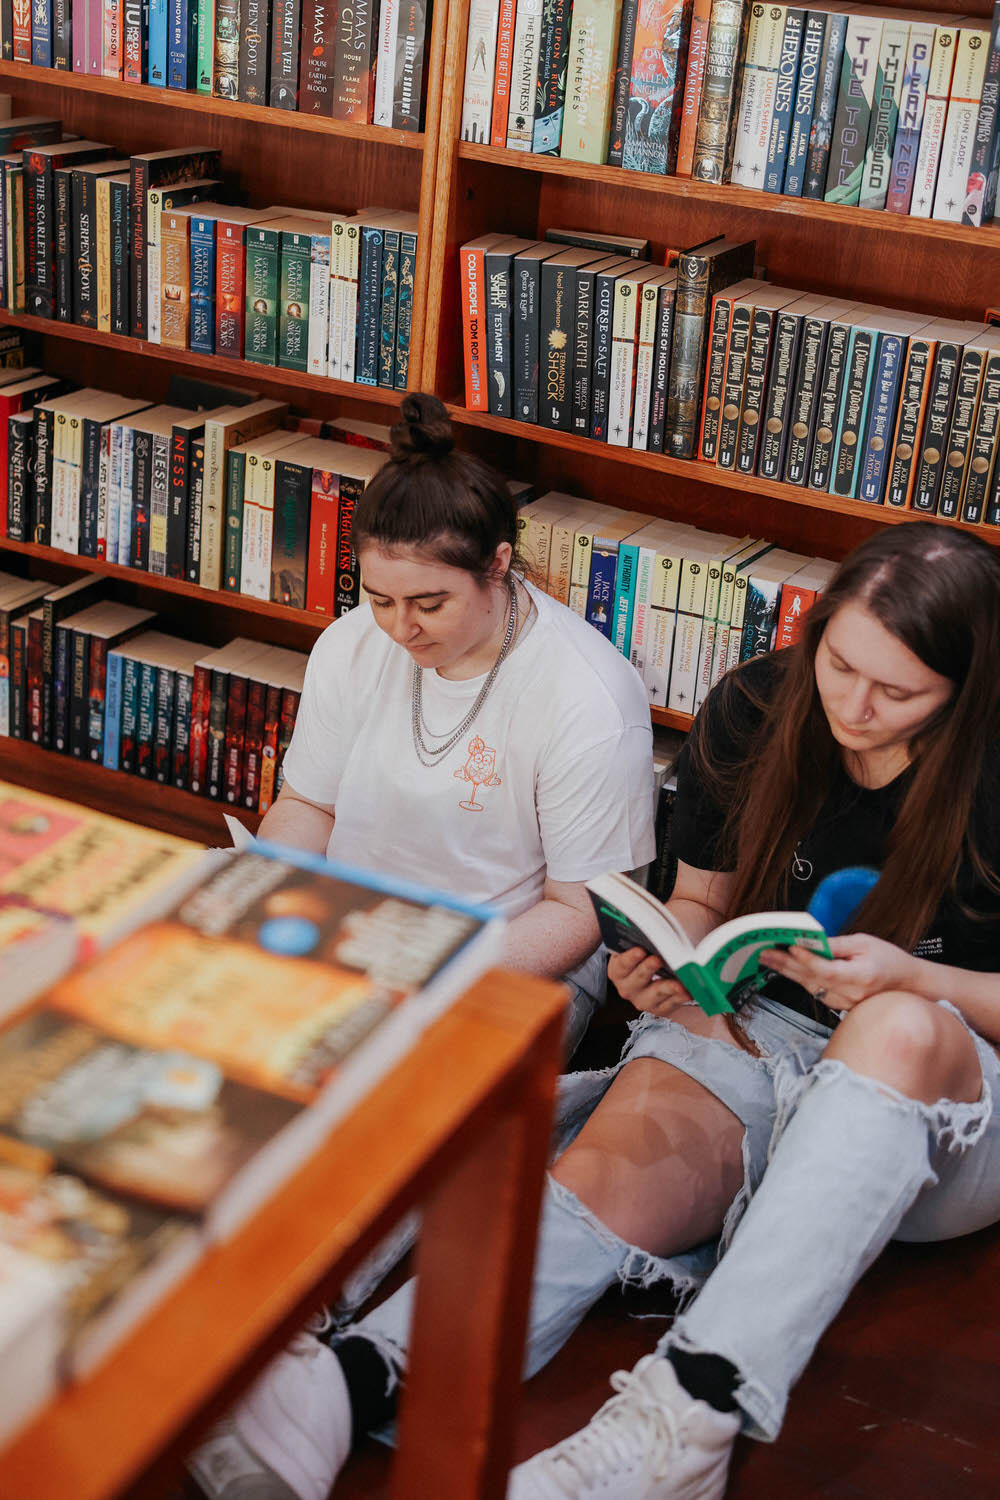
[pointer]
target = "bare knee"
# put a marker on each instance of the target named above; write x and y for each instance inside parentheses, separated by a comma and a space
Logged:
(911, 1044)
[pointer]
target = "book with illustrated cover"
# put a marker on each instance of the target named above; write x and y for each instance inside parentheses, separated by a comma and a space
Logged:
(913, 94)
(102, 873)
(656, 90)
(727, 35)
(725, 966)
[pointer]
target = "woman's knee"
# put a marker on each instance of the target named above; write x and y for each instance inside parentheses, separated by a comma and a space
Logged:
(910, 1043)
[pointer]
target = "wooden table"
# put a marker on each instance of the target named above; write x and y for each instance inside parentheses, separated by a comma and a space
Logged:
(461, 1127)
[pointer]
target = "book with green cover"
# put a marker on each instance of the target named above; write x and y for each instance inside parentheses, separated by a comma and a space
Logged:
(725, 966)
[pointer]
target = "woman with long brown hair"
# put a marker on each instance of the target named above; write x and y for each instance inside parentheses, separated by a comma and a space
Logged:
(853, 1101)
(763, 1163)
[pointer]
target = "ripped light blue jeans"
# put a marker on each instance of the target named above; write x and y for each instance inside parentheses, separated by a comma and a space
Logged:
(835, 1166)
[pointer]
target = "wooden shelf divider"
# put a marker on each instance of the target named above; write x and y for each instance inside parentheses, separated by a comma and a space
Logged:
(708, 474)
(187, 99)
(725, 195)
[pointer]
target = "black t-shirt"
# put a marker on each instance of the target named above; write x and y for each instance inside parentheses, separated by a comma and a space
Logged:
(852, 828)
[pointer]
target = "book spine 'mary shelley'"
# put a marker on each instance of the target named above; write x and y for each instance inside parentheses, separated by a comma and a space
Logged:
(725, 35)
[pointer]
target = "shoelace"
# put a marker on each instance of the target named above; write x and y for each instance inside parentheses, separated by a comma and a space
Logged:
(629, 1427)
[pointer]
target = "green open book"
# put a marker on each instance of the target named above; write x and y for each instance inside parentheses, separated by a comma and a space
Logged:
(724, 962)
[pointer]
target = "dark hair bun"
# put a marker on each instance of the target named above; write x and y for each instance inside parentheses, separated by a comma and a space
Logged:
(424, 433)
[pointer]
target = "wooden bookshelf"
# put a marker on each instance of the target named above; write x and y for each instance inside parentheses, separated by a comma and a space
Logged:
(268, 156)
(915, 265)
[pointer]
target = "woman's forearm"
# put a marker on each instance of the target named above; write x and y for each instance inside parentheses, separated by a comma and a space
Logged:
(975, 995)
(550, 939)
(299, 824)
(697, 919)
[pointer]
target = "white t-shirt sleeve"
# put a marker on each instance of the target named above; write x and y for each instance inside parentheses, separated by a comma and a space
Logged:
(314, 761)
(595, 809)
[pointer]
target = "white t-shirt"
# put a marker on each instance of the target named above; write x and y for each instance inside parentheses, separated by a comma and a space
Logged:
(553, 777)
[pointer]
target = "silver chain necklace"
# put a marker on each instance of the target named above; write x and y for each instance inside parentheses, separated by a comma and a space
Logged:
(430, 755)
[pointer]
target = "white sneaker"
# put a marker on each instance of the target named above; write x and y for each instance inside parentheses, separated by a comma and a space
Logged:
(288, 1438)
(652, 1441)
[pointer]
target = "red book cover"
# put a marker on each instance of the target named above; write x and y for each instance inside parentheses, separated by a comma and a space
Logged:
(321, 563)
(795, 605)
(201, 697)
(35, 636)
(269, 747)
(230, 269)
(253, 743)
(289, 708)
(236, 720)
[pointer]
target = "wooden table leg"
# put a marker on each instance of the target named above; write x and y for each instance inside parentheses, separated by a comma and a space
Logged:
(474, 1269)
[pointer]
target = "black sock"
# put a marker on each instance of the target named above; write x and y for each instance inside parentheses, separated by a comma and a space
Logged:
(707, 1377)
(367, 1374)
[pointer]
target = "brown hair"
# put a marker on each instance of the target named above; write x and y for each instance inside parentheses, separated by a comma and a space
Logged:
(938, 591)
(434, 497)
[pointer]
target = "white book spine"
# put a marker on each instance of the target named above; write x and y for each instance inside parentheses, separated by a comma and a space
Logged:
(523, 75)
(349, 295)
(760, 81)
(648, 308)
(620, 382)
(159, 492)
(266, 523)
(125, 504)
(336, 300)
(154, 209)
(114, 489)
(719, 665)
(684, 669)
(251, 527)
(640, 608)
(385, 67)
(971, 53)
(709, 640)
(578, 599)
(213, 506)
(932, 129)
(660, 628)
(480, 60)
(885, 114)
(317, 351)
(58, 532)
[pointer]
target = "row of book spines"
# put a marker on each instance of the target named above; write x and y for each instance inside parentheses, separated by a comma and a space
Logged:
(849, 106)
(76, 247)
(367, 70)
(204, 729)
(608, 348)
(836, 403)
(298, 555)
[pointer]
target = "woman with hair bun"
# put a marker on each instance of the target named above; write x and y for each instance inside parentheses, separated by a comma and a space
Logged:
(463, 730)
(453, 727)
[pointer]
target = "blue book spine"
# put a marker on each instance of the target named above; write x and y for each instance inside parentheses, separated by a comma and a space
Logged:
(112, 710)
(369, 305)
(158, 39)
(853, 413)
(784, 100)
(202, 325)
(877, 450)
(825, 108)
(177, 43)
(805, 102)
(601, 593)
(41, 33)
(628, 567)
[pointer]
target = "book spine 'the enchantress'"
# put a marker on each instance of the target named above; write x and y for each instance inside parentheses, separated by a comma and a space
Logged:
(524, 72)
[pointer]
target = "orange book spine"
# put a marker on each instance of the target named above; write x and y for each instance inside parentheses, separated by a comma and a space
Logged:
(501, 86)
(474, 324)
(795, 605)
(697, 47)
